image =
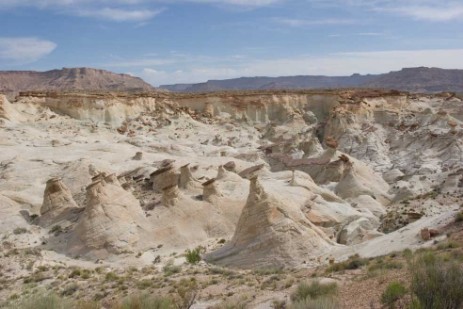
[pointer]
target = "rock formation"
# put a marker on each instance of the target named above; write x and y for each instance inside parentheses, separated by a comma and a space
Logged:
(186, 180)
(112, 222)
(252, 171)
(354, 183)
(230, 166)
(170, 195)
(57, 201)
(7, 112)
(270, 232)
(138, 156)
(164, 177)
(210, 191)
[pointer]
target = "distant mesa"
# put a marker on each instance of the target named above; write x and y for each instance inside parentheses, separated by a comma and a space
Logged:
(421, 79)
(70, 79)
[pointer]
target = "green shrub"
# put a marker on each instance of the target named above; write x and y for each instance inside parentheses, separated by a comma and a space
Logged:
(50, 301)
(170, 269)
(111, 276)
(70, 289)
(144, 302)
(407, 253)
(193, 256)
(279, 304)
(382, 265)
(19, 230)
(354, 262)
(436, 283)
(459, 217)
(56, 230)
(394, 291)
(323, 302)
(313, 291)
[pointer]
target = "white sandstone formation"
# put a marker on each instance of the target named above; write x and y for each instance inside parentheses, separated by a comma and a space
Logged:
(270, 232)
(210, 191)
(170, 195)
(186, 179)
(57, 202)
(164, 177)
(112, 222)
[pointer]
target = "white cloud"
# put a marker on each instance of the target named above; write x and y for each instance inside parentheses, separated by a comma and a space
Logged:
(427, 10)
(121, 10)
(315, 22)
(76, 3)
(334, 64)
(120, 15)
(430, 13)
(242, 3)
(24, 50)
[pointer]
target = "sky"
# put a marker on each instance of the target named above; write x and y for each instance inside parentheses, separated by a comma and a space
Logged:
(189, 41)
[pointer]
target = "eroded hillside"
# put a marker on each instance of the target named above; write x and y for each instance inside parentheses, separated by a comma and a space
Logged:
(257, 179)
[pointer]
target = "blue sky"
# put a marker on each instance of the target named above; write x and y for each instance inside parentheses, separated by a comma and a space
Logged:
(178, 41)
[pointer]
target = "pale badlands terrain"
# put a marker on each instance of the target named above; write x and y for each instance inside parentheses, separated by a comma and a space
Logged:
(259, 180)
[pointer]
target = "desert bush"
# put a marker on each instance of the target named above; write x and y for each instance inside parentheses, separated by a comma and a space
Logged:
(323, 302)
(436, 283)
(193, 256)
(313, 291)
(268, 271)
(19, 230)
(111, 276)
(50, 301)
(407, 253)
(187, 291)
(70, 289)
(354, 262)
(278, 304)
(241, 303)
(385, 265)
(394, 291)
(170, 269)
(144, 301)
(459, 217)
(56, 230)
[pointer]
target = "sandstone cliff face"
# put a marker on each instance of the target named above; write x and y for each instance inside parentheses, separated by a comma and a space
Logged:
(114, 110)
(331, 165)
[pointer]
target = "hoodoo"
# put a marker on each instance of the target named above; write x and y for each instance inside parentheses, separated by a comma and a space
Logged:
(270, 232)
(57, 200)
(170, 195)
(210, 190)
(111, 223)
(164, 177)
(187, 181)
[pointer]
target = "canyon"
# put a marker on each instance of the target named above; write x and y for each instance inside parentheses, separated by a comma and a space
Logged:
(265, 179)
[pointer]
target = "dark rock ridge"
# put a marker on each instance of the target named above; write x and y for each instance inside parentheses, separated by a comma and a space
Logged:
(421, 79)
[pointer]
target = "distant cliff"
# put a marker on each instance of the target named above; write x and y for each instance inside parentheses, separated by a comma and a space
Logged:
(420, 79)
